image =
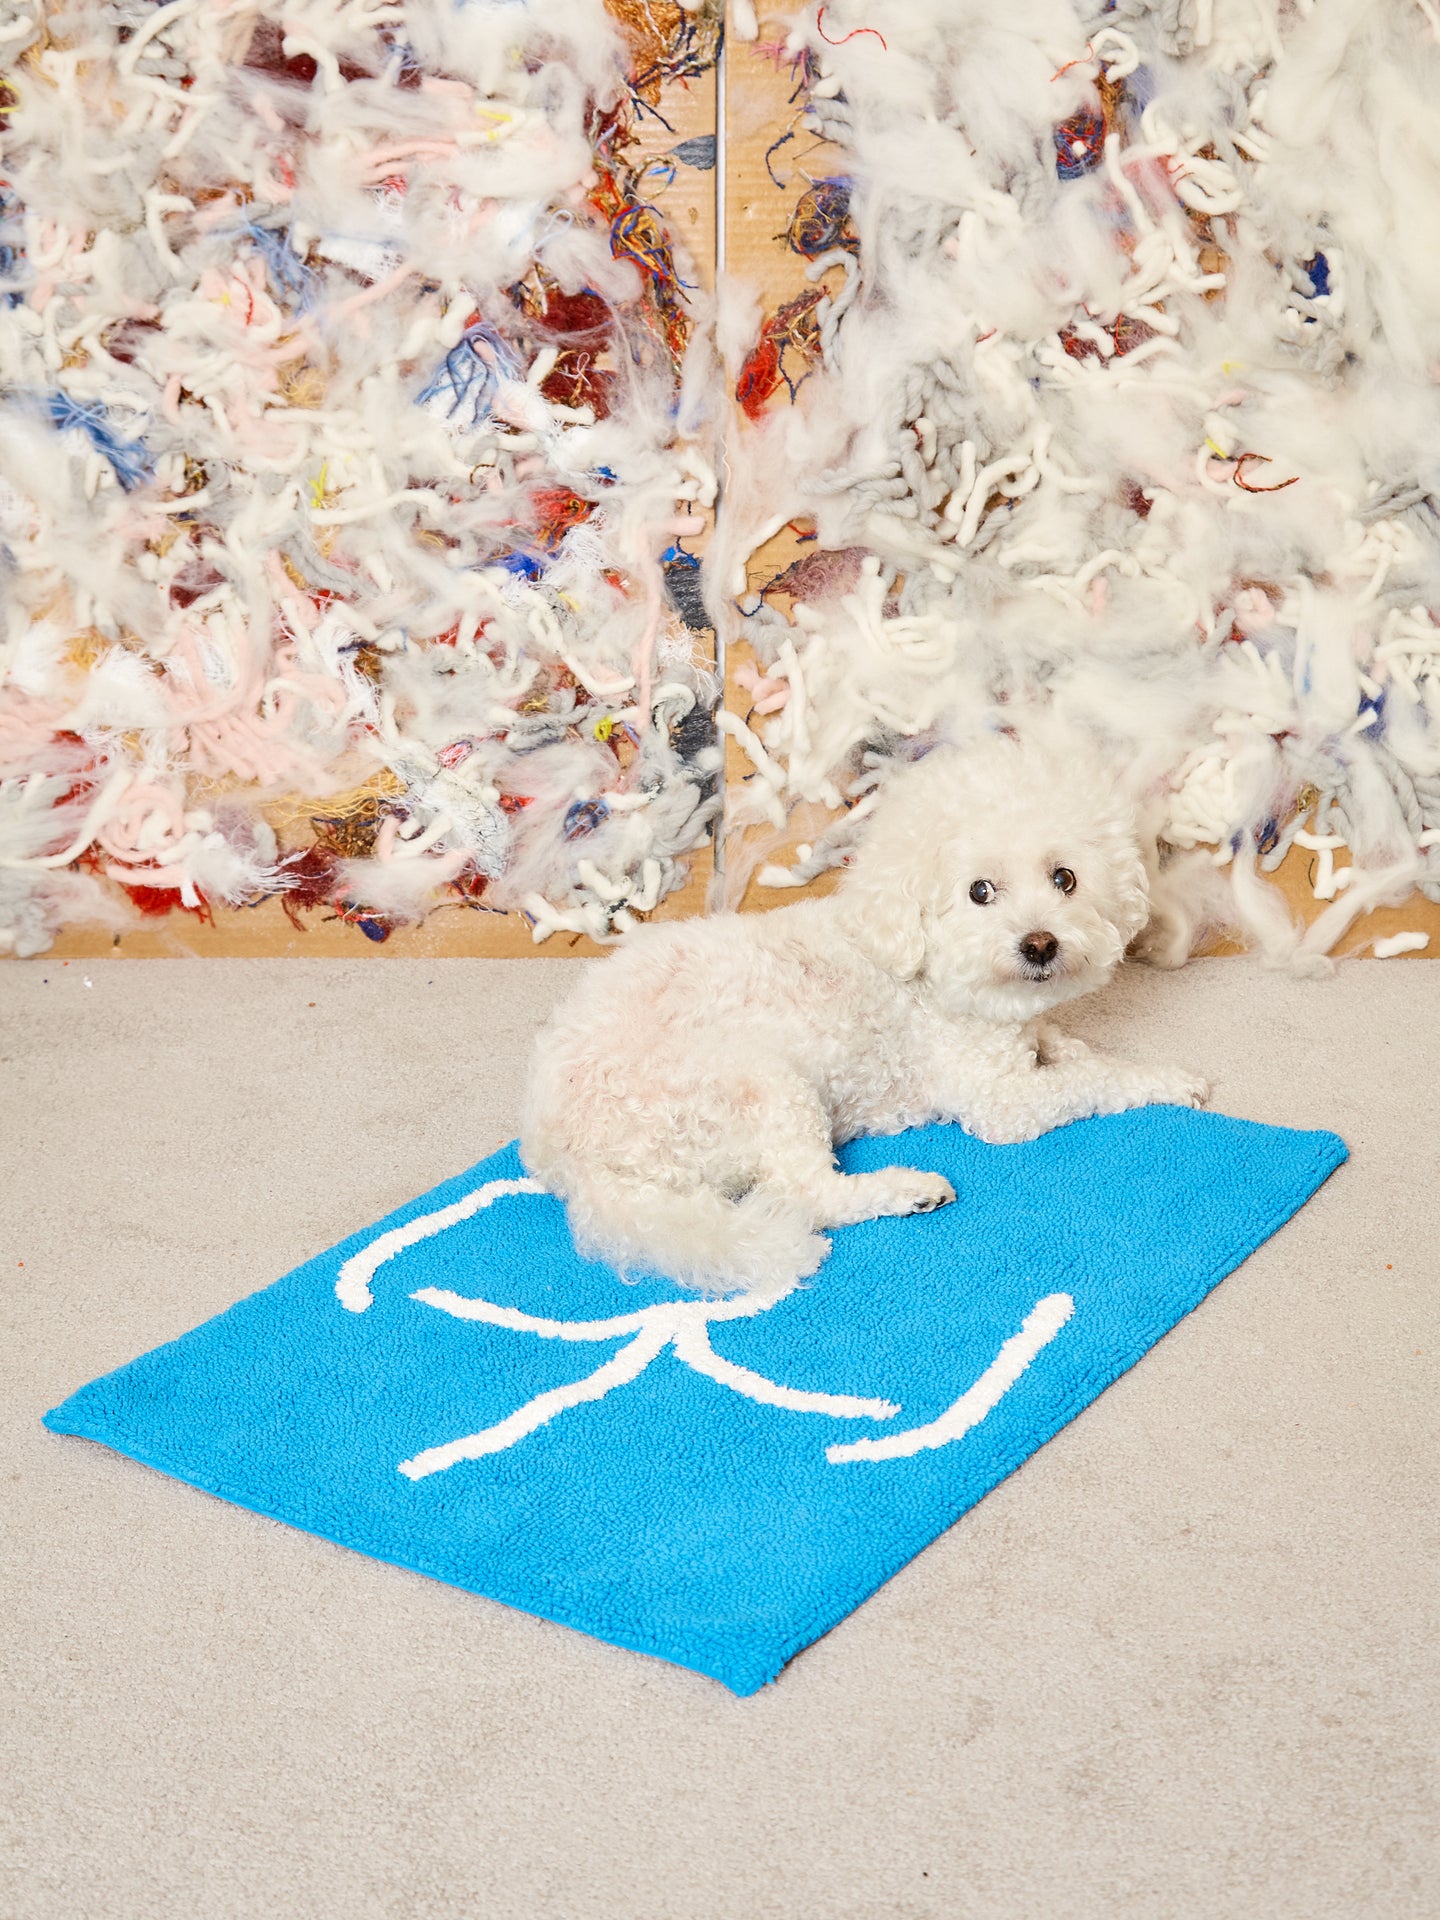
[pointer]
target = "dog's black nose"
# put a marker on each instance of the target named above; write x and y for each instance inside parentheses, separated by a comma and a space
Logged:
(1039, 948)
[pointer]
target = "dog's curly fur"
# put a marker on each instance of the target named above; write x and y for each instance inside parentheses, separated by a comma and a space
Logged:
(686, 1101)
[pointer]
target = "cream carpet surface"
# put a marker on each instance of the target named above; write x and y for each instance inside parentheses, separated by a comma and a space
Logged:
(1182, 1664)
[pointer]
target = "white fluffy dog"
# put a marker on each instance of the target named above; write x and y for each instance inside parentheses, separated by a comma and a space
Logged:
(686, 1101)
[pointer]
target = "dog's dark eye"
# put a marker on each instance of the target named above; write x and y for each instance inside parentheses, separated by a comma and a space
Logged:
(982, 893)
(1064, 879)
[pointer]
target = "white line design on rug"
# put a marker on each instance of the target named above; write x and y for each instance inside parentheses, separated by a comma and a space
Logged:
(352, 1289)
(1040, 1326)
(682, 1326)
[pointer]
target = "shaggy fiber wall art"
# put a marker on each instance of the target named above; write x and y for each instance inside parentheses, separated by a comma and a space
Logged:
(1110, 377)
(353, 433)
(362, 411)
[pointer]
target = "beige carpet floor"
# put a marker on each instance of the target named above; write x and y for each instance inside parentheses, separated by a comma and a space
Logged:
(1183, 1664)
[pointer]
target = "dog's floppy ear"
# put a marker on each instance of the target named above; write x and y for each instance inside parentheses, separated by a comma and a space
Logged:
(1132, 854)
(1137, 905)
(886, 892)
(888, 929)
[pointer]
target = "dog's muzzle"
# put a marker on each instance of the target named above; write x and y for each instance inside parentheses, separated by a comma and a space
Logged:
(1040, 952)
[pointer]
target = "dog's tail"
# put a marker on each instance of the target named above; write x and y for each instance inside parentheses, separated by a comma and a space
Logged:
(695, 1236)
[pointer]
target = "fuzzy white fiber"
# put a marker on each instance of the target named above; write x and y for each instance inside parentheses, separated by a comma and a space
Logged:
(294, 496)
(1132, 398)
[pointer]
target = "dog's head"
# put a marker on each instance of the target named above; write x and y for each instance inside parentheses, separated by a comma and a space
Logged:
(1006, 875)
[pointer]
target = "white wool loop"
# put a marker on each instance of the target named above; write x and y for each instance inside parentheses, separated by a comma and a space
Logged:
(99, 812)
(159, 23)
(1398, 943)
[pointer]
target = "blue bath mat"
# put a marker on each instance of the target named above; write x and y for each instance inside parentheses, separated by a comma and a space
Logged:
(454, 1390)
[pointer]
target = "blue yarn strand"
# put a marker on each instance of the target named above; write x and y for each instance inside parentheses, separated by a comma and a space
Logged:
(468, 381)
(288, 272)
(130, 460)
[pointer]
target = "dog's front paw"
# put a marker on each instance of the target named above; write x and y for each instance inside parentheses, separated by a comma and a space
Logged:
(1056, 1049)
(915, 1192)
(1179, 1088)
